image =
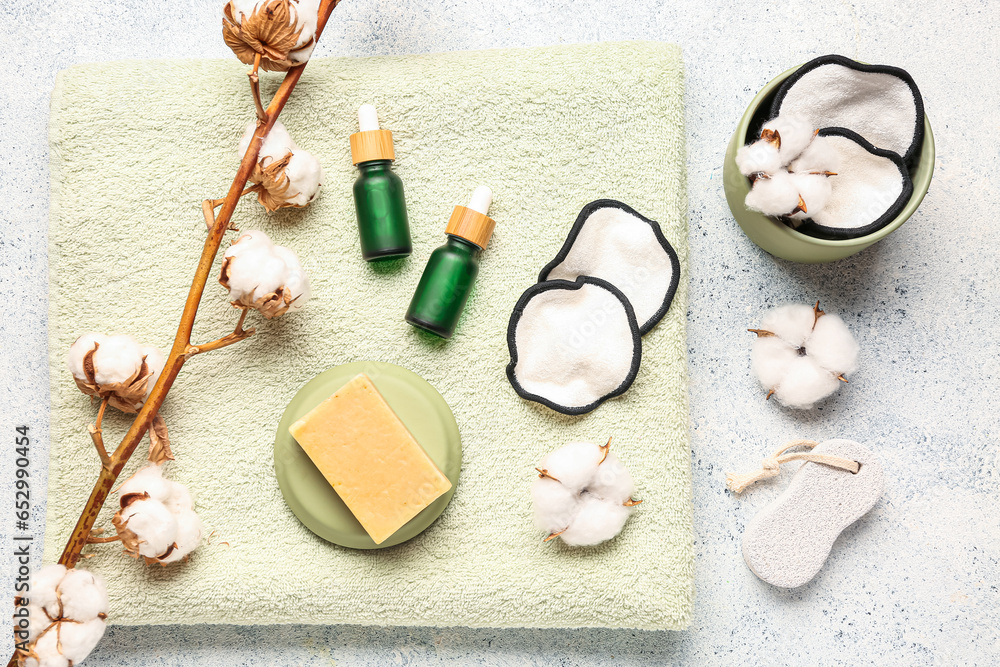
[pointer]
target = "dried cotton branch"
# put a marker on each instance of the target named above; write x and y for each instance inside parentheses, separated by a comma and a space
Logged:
(84, 635)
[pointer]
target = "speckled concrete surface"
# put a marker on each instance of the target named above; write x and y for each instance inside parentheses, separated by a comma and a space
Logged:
(915, 582)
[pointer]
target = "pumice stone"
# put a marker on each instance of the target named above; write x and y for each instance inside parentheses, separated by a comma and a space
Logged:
(787, 542)
(611, 241)
(573, 345)
(879, 102)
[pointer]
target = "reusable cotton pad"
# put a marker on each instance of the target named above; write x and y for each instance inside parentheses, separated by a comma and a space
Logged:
(870, 189)
(573, 345)
(611, 241)
(788, 541)
(879, 102)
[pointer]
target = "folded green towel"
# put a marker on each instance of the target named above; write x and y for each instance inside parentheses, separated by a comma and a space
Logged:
(136, 146)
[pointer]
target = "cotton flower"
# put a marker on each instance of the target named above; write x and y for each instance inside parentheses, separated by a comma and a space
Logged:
(67, 609)
(282, 33)
(802, 355)
(583, 494)
(156, 521)
(777, 194)
(115, 367)
(286, 175)
(263, 276)
(789, 167)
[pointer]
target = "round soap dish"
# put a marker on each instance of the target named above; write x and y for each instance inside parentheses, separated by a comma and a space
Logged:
(421, 409)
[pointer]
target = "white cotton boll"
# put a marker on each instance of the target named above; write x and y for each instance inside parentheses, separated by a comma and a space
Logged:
(555, 505)
(793, 323)
(77, 602)
(804, 384)
(255, 270)
(801, 354)
(277, 143)
(46, 652)
(771, 358)
(147, 480)
(596, 521)
(581, 498)
(79, 349)
(612, 481)
(77, 640)
(189, 530)
(775, 196)
(795, 133)
(165, 529)
(574, 464)
(832, 346)
(43, 587)
(305, 175)
(84, 596)
(819, 156)
(153, 524)
(758, 157)
(305, 15)
(117, 359)
(815, 190)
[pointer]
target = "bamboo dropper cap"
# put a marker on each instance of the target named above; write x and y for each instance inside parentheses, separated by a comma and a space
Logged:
(471, 222)
(371, 143)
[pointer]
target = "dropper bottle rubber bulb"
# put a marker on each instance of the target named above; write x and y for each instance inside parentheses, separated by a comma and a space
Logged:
(447, 280)
(378, 191)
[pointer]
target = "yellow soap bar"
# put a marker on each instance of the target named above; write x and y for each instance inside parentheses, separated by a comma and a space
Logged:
(370, 458)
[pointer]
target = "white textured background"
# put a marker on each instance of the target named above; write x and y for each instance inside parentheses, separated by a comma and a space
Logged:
(915, 582)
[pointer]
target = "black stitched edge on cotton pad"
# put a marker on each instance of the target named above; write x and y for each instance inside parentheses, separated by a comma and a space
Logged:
(515, 318)
(811, 228)
(581, 220)
(918, 132)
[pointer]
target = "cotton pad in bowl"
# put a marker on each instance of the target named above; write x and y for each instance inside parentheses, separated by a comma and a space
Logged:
(879, 102)
(869, 190)
(611, 241)
(573, 345)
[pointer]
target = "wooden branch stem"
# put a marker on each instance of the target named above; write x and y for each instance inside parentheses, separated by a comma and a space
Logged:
(238, 334)
(255, 89)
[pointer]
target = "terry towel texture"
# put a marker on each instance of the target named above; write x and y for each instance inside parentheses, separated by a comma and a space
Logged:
(136, 147)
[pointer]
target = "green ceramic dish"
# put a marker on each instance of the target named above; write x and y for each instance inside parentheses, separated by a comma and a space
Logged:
(420, 407)
(783, 241)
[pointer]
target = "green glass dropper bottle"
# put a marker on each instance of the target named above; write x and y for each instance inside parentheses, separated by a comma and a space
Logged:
(447, 280)
(378, 192)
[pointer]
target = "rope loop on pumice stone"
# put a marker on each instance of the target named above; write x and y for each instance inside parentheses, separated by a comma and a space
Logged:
(771, 466)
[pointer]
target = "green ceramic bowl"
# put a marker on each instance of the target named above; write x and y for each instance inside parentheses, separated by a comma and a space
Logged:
(781, 240)
(417, 404)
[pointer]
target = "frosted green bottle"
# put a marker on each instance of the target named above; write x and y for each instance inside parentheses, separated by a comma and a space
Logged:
(378, 192)
(447, 279)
